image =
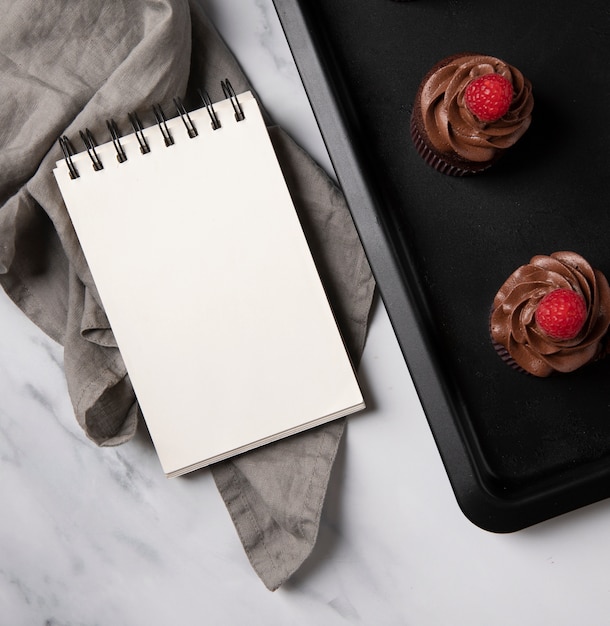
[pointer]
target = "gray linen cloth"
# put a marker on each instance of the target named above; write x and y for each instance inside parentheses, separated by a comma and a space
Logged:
(67, 66)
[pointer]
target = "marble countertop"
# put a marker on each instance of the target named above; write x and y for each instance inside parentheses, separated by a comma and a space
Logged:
(93, 536)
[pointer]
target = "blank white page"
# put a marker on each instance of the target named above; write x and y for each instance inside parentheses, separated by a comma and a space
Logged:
(210, 288)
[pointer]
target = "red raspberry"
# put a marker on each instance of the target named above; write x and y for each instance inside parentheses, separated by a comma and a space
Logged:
(489, 96)
(561, 314)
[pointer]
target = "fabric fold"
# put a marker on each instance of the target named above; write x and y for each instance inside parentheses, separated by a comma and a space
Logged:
(275, 497)
(141, 53)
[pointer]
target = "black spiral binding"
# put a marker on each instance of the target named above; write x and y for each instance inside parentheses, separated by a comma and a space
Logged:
(162, 122)
(139, 132)
(68, 151)
(186, 118)
(90, 144)
(138, 129)
(207, 102)
(230, 94)
(116, 140)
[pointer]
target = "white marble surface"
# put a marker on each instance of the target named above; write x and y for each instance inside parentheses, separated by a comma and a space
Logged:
(99, 537)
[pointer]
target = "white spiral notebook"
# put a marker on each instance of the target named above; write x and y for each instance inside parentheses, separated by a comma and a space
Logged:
(208, 282)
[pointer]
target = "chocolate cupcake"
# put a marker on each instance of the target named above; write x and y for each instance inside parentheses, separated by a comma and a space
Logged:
(552, 315)
(468, 110)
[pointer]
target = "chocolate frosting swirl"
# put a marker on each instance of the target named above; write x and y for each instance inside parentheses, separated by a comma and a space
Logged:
(513, 323)
(451, 127)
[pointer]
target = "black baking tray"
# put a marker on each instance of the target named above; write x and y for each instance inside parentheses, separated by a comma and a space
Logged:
(517, 449)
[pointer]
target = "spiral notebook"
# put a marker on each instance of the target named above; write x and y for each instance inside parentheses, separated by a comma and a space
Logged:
(207, 280)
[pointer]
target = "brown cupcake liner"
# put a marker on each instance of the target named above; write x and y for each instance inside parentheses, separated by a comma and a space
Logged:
(435, 161)
(503, 353)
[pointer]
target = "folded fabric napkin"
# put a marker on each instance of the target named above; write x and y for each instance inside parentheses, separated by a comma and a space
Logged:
(80, 66)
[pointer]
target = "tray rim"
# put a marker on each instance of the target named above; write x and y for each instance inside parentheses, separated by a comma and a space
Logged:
(485, 505)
